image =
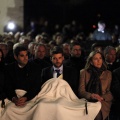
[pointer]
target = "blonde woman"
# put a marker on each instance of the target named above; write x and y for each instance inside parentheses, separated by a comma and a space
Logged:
(94, 83)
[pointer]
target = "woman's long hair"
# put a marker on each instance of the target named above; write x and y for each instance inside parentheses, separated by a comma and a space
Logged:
(90, 57)
(94, 84)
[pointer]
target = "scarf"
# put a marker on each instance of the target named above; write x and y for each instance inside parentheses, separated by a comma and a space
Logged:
(94, 84)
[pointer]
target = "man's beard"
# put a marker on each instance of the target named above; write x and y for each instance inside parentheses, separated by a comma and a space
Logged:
(58, 65)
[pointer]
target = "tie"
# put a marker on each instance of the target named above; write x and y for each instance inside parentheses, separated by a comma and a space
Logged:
(58, 72)
(109, 67)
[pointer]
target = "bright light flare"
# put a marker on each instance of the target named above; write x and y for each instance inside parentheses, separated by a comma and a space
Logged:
(11, 26)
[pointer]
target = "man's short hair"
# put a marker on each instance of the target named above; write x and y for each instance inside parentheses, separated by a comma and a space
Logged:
(56, 50)
(94, 45)
(101, 22)
(18, 48)
(108, 48)
(73, 44)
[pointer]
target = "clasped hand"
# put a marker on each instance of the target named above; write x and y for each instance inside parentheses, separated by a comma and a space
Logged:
(20, 101)
(97, 97)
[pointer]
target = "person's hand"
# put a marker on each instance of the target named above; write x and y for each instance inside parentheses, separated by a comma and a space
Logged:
(20, 101)
(97, 97)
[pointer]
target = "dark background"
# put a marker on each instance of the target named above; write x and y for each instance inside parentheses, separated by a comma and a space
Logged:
(85, 12)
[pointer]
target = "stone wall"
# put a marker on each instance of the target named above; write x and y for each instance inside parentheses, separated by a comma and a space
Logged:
(11, 10)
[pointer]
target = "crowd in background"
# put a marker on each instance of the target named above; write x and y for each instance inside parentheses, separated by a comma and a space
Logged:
(76, 46)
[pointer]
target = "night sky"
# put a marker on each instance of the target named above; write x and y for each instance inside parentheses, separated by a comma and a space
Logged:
(64, 11)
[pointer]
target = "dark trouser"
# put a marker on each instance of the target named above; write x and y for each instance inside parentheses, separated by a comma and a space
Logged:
(114, 113)
(99, 116)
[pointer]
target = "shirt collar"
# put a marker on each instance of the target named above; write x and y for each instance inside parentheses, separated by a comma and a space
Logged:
(60, 68)
(109, 63)
(101, 30)
(20, 66)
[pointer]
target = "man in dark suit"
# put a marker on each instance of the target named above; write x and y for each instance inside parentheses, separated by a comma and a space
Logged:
(40, 56)
(69, 74)
(110, 58)
(77, 58)
(22, 75)
(2, 93)
(115, 89)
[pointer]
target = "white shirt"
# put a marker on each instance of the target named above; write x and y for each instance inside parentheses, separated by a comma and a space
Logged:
(55, 73)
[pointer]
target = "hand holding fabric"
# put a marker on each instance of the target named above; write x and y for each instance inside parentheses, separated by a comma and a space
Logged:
(20, 101)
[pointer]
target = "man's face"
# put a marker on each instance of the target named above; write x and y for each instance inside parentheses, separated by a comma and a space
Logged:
(111, 56)
(31, 49)
(59, 40)
(101, 26)
(40, 52)
(76, 51)
(4, 49)
(57, 60)
(66, 49)
(22, 58)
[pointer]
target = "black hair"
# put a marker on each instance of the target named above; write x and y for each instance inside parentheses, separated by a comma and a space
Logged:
(18, 48)
(101, 22)
(56, 50)
(94, 45)
(73, 44)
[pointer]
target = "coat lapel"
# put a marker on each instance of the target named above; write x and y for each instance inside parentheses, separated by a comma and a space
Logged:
(65, 73)
(51, 72)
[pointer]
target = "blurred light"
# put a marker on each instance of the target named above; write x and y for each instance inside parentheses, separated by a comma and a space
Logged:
(94, 26)
(11, 26)
(99, 15)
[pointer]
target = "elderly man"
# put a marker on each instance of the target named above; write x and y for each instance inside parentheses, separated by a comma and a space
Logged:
(40, 56)
(110, 58)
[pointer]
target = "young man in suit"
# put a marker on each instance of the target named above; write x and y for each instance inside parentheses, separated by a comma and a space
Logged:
(68, 73)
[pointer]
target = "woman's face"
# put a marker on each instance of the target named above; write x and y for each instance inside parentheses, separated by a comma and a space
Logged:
(97, 60)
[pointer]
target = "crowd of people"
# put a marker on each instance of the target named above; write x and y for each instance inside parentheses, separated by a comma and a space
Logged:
(90, 65)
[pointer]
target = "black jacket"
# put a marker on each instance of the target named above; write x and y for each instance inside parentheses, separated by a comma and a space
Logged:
(27, 78)
(115, 89)
(2, 91)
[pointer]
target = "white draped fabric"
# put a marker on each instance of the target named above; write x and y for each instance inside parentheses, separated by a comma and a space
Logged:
(56, 101)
